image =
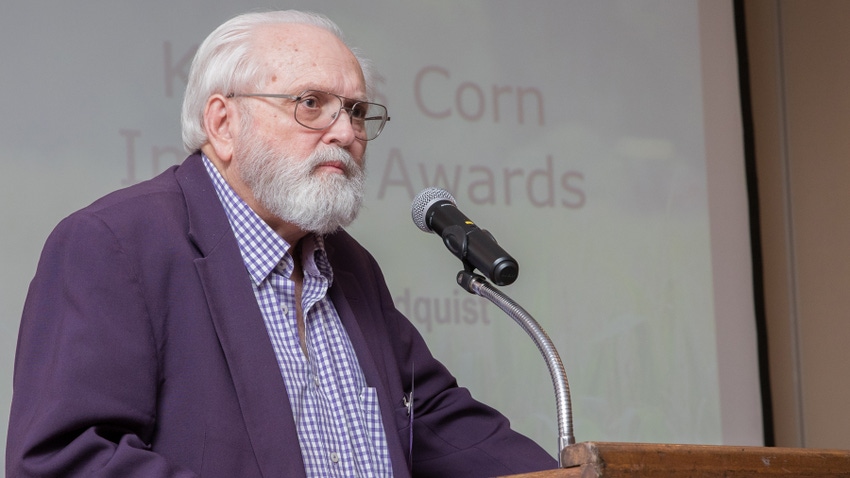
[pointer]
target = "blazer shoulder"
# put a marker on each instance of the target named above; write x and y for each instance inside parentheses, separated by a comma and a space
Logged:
(157, 207)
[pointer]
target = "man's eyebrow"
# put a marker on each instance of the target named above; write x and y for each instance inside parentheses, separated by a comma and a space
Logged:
(361, 97)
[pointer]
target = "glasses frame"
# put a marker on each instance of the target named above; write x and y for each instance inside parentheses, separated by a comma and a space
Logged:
(342, 100)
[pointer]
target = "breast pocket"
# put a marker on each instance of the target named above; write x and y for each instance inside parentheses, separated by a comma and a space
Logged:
(370, 412)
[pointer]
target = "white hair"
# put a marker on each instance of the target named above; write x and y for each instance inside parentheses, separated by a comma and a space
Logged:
(224, 64)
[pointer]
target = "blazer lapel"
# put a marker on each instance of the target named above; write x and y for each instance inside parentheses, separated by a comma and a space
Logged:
(239, 325)
(348, 299)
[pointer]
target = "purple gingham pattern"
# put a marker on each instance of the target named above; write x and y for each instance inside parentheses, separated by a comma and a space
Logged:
(337, 416)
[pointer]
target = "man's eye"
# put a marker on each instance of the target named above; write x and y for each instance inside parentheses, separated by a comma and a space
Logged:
(309, 102)
(359, 111)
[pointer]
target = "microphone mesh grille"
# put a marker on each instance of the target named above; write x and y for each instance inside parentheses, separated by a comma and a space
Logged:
(423, 201)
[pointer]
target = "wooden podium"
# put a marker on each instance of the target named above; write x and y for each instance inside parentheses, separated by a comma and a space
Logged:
(632, 460)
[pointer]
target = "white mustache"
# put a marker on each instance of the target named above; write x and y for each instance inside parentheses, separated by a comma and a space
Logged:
(336, 156)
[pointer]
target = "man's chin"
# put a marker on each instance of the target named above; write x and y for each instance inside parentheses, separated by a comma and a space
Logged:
(329, 220)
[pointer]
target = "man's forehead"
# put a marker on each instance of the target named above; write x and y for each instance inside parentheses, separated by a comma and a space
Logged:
(302, 57)
(305, 43)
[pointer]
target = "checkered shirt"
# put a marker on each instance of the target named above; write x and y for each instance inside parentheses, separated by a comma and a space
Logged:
(337, 415)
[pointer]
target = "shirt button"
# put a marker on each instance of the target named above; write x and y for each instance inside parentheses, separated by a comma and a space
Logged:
(335, 457)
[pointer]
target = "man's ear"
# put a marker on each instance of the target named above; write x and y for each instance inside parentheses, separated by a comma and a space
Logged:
(220, 122)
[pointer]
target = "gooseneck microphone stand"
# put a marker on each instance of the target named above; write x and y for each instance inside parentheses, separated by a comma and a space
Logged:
(478, 285)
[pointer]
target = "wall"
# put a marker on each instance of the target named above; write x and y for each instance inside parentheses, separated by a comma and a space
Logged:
(800, 65)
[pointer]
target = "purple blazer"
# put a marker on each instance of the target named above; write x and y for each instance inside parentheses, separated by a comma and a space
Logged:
(142, 352)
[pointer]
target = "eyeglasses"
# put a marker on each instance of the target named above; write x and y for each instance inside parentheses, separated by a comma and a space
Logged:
(318, 110)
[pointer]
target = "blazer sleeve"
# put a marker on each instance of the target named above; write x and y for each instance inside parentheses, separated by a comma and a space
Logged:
(86, 372)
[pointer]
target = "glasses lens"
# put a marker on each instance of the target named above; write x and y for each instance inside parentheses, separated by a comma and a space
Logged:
(318, 110)
(368, 119)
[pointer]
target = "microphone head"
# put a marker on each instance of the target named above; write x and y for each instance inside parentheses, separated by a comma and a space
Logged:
(423, 201)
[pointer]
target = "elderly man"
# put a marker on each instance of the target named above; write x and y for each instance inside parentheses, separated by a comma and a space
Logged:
(216, 321)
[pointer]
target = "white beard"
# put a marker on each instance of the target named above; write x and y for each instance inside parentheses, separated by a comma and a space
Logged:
(290, 189)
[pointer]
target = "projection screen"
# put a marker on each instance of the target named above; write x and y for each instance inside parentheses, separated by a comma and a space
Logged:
(598, 141)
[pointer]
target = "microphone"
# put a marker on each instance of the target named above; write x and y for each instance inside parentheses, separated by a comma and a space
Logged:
(434, 210)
